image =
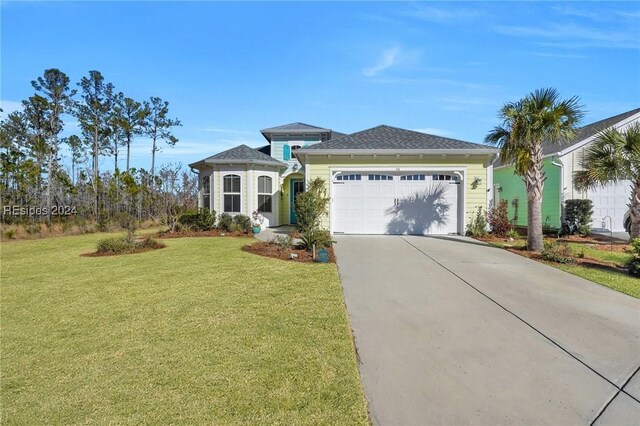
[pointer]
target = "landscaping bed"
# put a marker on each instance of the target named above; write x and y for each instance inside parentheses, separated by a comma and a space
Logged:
(211, 233)
(271, 250)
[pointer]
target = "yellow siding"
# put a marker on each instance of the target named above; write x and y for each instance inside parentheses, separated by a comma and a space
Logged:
(474, 166)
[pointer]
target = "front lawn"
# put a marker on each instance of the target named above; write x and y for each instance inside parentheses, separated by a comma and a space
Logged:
(613, 279)
(200, 332)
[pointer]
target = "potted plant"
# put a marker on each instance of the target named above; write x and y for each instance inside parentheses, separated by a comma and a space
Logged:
(257, 219)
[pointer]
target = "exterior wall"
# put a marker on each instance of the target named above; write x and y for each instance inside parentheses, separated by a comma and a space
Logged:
(472, 166)
(277, 150)
(512, 188)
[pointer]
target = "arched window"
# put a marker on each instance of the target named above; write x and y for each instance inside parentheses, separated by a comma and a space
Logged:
(206, 192)
(286, 152)
(264, 194)
(232, 193)
(294, 147)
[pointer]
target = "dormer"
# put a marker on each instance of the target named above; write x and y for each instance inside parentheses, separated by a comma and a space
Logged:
(285, 139)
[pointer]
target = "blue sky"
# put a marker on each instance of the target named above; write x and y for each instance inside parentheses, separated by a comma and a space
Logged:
(230, 69)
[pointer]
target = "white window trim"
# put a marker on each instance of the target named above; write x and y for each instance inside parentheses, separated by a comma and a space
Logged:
(230, 173)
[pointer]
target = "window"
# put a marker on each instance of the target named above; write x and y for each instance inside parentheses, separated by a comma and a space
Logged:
(206, 192)
(264, 194)
(286, 152)
(232, 195)
(380, 177)
(294, 147)
(349, 177)
(444, 177)
(413, 177)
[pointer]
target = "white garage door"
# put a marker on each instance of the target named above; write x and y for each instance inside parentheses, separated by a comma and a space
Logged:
(387, 203)
(610, 200)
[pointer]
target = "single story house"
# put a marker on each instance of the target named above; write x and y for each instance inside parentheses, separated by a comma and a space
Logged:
(383, 180)
(561, 162)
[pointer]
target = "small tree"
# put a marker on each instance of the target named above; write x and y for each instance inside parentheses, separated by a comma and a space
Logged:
(311, 206)
(498, 218)
(579, 212)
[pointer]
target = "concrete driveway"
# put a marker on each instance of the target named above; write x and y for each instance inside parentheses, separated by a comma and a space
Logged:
(451, 331)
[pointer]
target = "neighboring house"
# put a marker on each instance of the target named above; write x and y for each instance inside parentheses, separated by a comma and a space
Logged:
(383, 180)
(560, 164)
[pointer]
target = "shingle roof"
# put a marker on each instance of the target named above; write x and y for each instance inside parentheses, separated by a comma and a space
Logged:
(393, 138)
(241, 154)
(295, 127)
(587, 131)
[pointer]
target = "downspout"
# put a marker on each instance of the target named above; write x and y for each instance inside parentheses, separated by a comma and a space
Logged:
(562, 188)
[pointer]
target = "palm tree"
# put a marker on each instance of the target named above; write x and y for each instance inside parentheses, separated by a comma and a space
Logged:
(539, 117)
(612, 157)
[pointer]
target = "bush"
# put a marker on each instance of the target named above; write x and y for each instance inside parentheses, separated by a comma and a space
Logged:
(225, 221)
(557, 252)
(477, 226)
(242, 223)
(580, 213)
(282, 242)
(124, 245)
(317, 238)
(116, 245)
(9, 234)
(311, 206)
(198, 219)
(498, 218)
(634, 263)
(513, 234)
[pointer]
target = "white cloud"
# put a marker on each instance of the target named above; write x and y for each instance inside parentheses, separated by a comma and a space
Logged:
(447, 15)
(8, 107)
(387, 60)
(572, 36)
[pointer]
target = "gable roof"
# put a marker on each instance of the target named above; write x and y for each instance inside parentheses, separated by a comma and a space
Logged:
(241, 154)
(295, 128)
(393, 139)
(587, 131)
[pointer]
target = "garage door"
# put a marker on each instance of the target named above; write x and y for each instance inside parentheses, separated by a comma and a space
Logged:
(386, 203)
(610, 200)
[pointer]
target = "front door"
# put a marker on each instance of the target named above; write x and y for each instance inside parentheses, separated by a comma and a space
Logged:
(297, 186)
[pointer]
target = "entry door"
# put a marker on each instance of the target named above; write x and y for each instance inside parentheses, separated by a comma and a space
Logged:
(297, 186)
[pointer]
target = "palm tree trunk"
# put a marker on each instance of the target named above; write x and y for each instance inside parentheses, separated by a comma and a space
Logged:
(634, 209)
(534, 183)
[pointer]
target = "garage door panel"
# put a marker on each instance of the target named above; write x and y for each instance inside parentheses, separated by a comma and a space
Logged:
(610, 200)
(391, 205)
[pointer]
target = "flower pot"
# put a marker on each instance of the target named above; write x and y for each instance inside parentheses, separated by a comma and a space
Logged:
(256, 229)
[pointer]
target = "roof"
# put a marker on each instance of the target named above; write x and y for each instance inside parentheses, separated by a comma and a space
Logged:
(587, 131)
(241, 154)
(295, 128)
(393, 138)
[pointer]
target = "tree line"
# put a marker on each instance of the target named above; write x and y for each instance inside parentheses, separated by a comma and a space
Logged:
(32, 154)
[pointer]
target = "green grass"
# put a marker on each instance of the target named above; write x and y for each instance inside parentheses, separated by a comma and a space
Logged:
(199, 333)
(615, 280)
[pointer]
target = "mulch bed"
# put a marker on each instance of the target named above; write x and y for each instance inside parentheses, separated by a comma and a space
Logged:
(140, 250)
(580, 261)
(213, 233)
(270, 250)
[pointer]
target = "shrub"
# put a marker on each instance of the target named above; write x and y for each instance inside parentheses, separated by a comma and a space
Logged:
(557, 252)
(311, 206)
(33, 229)
(634, 263)
(116, 245)
(580, 213)
(513, 234)
(498, 218)
(477, 226)
(9, 234)
(317, 238)
(149, 243)
(282, 242)
(198, 219)
(225, 221)
(242, 223)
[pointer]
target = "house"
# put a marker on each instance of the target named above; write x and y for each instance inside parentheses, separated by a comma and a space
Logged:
(383, 180)
(561, 161)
